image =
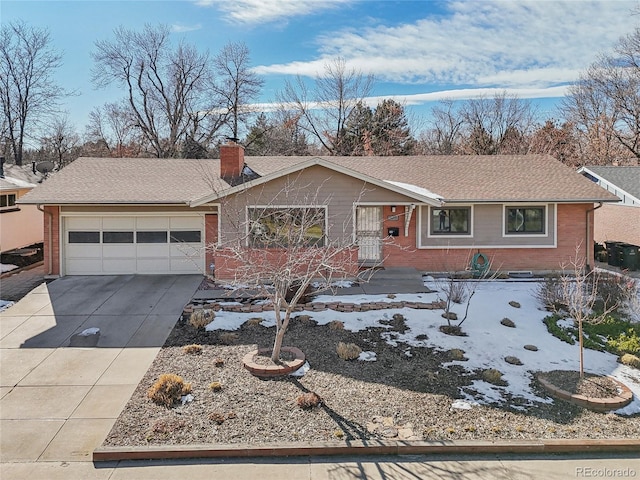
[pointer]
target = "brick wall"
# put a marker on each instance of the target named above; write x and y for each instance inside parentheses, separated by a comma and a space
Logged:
(52, 240)
(618, 223)
(401, 251)
(266, 262)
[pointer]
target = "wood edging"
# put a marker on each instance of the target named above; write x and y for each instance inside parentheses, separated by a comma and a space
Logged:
(369, 447)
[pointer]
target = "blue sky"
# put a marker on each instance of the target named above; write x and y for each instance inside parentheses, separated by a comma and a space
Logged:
(420, 51)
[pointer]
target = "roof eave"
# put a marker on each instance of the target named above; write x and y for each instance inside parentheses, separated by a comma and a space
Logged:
(531, 200)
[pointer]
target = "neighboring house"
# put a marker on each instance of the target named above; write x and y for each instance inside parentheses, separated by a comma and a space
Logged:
(135, 215)
(617, 222)
(20, 225)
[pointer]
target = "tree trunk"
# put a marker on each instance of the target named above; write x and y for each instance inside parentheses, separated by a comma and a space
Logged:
(581, 349)
(277, 345)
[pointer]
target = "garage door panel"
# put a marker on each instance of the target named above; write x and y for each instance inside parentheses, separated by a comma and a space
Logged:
(185, 223)
(84, 250)
(152, 223)
(83, 223)
(118, 265)
(188, 249)
(119, 251)
(84, 266)
(186, 265)
(152, 250)
(118, 223)
(153, 265)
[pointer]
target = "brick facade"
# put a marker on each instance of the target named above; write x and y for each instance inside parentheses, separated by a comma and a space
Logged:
(402, 252)
(52, 240)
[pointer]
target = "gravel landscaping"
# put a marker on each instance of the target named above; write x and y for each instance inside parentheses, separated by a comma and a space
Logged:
(411, 391)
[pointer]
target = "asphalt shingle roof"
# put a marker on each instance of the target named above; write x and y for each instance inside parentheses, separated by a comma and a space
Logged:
(468, 178)
(455, 178)
(625, 178)
(129, 180)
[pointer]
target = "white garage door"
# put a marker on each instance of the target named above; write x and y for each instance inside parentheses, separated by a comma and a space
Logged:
(121, 245)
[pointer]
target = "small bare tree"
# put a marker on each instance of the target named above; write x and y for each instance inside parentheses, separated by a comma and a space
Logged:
(458, 287)
(280, 250)
(579, 296)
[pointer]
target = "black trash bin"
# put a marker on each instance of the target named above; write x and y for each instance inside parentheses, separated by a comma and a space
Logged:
(613, 253)
(628, 256)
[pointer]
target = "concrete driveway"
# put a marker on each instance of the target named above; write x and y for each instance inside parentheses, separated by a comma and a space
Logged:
(57, 401)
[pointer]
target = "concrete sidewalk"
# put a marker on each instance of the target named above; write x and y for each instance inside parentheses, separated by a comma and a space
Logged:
(57, 403)
(494, 467)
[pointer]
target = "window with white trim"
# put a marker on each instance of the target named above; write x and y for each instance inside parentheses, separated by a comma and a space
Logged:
(525, 220)
(8, 201)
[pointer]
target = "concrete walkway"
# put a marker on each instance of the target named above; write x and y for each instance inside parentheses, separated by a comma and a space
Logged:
(57, 403)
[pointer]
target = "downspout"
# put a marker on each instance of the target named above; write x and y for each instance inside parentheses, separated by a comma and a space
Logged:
(49, 238)
(588, 246)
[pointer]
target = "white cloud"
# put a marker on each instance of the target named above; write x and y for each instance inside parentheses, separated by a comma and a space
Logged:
(179, 28)
(264, 11)
(535, 44)
(422, 98)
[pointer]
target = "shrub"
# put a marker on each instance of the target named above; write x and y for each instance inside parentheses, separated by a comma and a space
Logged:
(348, 351)
(229, 338)
(552, 327)
(192, 349)
(215, 386)
(201, 317)
(336, 325)
(217, 418)
(218, 362)
(549, 292)
(338, 433)
(493, 376)
(631, 360)
(254, 321)
(168, 389)
(457, 354)
(458, 291)
(626, 342)
(308, 400)
(614, 290)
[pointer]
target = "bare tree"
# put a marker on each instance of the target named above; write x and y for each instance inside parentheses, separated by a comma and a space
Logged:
(557, 140)
(115, 127)
(279, 250)
(579, 296)
(444, 135)
(62, 141)
(28, 92)
(496, 126)
(324, 111)
(238, 85)
(606, 99)
(168, 89)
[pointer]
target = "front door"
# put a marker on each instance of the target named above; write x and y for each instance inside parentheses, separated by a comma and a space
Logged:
(369, 234)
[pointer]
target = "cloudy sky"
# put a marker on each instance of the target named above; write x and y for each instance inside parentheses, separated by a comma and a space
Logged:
(419, 51)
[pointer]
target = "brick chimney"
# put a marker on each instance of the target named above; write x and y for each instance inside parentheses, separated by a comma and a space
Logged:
(231, 160)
